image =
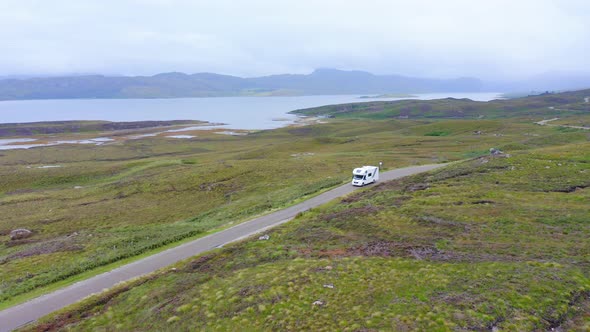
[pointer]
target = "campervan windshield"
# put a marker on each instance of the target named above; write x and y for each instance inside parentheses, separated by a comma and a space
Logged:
(358, 177)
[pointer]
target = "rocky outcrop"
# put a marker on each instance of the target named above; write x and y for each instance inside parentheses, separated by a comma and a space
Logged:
(20, 233)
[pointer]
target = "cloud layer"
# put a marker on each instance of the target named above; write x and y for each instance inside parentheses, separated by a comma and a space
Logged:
(489, 39)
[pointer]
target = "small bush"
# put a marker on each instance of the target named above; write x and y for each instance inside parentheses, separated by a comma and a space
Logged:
(438, 133)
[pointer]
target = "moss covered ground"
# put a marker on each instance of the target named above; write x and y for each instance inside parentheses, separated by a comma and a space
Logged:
(117, 201)
(492, 243)
(515, 226)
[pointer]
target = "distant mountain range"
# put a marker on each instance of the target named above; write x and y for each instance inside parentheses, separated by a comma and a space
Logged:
(551, 81)
(320, 82)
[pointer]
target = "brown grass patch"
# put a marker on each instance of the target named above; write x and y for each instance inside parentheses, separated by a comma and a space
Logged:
(352, 212)
(59, 321)
(44, 248)
(200, 264)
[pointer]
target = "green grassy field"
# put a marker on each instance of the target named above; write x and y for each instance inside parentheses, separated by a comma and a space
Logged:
(489, 243)
(112, 203)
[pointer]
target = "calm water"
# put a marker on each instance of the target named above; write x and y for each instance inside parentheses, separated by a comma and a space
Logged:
(236, 112)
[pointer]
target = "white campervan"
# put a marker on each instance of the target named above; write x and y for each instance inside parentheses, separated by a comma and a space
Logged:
(365, 175)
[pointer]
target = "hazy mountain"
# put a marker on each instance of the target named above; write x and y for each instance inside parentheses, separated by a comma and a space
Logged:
(332, 81)
(321, 81)
(171, 85)
(550, 81)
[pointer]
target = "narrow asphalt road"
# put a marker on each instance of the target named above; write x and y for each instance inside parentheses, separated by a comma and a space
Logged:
(34, 309)
(546, 123)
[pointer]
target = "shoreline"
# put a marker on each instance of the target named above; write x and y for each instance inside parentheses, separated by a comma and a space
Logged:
(18, 136)
(14, 136)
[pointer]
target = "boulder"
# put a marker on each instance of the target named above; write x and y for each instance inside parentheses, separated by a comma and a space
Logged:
(495, 152)
(418, 186)
(318, 303)
(498, 153)
(20, 233)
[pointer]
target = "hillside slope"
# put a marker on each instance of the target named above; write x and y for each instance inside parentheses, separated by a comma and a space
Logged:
(569, 103)
(119, 200)
(492, 243)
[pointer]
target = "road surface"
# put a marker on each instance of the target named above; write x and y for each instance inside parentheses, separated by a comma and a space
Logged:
(34, 309)
(546, 123)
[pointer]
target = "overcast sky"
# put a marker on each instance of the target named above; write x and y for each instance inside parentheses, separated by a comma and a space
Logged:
(437, 38)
